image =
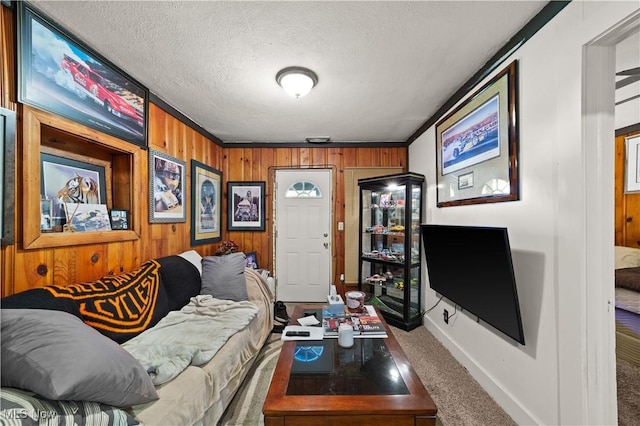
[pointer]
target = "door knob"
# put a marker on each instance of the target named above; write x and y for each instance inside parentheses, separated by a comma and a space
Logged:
(326, 235)
(326, 245)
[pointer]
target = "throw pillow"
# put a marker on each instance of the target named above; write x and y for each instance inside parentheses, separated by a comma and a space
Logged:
(120, 306)
(180, 279)
(628, 278)
(223, 277)
(56, 355)
(64, 412)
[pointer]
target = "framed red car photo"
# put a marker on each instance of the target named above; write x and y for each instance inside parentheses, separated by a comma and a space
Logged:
(60, 75)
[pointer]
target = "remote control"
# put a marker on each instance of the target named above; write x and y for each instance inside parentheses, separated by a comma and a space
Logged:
(298, 334)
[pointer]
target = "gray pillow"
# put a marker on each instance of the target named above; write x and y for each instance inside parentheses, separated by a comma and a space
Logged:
(223, 277)
(57, 356)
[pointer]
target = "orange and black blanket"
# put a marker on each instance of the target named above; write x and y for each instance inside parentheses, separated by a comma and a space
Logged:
(119, 306)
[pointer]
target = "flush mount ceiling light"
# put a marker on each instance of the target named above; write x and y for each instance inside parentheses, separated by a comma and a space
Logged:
(297, 81)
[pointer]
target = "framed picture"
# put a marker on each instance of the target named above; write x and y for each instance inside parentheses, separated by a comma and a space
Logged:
(119, 219)
(252, 260)
(166, 188)
(632, 164)
(67, 181)
(86, 218)
(245, 206)
(46, 219)
(7, 175)
(476, 146)
(206, 204)
(60, 75)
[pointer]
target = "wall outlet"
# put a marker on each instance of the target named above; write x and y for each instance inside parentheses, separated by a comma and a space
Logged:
(445, 314)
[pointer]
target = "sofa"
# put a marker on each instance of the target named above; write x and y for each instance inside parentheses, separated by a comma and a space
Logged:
(166, 344)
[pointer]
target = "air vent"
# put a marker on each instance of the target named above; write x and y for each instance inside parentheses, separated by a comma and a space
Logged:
(319, 139)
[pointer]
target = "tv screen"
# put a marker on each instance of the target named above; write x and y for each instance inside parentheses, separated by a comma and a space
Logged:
(472, 267)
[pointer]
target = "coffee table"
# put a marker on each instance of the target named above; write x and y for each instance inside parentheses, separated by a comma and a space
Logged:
(321, 383)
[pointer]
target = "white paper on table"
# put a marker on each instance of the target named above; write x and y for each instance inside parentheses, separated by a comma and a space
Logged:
(308, 320)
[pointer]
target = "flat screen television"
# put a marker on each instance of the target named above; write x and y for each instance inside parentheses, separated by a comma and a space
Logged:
(472, 267)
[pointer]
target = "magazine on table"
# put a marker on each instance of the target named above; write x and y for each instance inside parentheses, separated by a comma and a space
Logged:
(365, 324)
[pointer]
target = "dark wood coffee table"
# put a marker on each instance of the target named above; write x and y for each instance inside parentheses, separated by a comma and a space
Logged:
(321, 383)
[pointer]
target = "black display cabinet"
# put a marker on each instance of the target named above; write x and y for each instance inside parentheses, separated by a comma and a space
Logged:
(390, 246)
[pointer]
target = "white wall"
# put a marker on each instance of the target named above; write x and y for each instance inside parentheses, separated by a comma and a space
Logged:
(544, 382)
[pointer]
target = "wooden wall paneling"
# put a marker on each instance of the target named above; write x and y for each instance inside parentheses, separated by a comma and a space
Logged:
(122, 257)
(7, 59)
(284, 157)
(33, 268)
(7, 271)
(77, 264)
(627, 206)
(619, 191)
(349, 157)
(335, 159)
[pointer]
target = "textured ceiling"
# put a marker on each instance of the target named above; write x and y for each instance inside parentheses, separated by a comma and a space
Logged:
(384, 68)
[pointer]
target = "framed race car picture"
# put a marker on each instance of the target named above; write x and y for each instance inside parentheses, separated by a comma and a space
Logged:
(60, 75)
(245, 206)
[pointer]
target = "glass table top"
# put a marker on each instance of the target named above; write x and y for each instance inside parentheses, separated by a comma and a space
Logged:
(325, 368)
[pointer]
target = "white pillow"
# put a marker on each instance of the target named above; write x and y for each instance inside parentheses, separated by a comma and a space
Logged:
(626, 257)
(193, 257)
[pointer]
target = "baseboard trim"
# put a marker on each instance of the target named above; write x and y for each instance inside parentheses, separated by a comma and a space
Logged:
(508, 403)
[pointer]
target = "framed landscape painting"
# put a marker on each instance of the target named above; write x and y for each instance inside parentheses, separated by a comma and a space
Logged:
(58, 74)
(206, 196)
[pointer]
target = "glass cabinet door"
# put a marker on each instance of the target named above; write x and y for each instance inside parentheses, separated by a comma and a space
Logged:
(391, 211)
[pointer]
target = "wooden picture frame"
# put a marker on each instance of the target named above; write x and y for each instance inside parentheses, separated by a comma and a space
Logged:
(246, 206)
(166, 188)
(477, 146)
(7, 175)
(67, 181)
(206, 204)
(59, 74)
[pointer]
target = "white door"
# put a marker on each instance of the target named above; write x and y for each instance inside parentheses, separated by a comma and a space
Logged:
(303, 234)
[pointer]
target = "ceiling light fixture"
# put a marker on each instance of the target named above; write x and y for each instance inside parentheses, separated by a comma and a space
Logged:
(297, 81)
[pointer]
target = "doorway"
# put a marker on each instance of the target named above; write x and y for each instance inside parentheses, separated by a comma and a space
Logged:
(598, 143)
(303, 234)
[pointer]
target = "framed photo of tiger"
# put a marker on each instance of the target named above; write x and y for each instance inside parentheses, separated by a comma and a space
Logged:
(66, 181)
(206, 204)
(166, 188)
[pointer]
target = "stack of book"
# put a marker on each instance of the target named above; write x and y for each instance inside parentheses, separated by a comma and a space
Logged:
(365, 324)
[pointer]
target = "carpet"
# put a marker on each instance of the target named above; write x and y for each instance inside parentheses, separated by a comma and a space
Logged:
(246, 407)
(628, 383)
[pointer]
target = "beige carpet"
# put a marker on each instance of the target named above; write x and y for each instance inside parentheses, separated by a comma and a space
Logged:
(459, 398)
(628, 376)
